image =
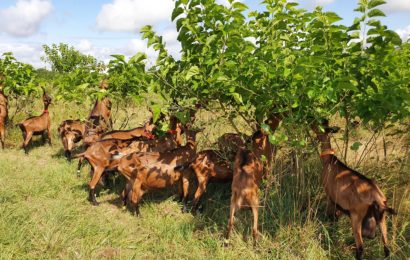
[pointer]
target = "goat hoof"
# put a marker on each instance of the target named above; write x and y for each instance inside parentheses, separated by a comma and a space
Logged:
(386, 251)
(226, 242)
(359, 253)
(94, 202)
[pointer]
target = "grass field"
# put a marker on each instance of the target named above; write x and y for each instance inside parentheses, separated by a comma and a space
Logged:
(44, 212)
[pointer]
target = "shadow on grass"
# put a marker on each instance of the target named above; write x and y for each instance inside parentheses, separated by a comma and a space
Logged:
(36, 142)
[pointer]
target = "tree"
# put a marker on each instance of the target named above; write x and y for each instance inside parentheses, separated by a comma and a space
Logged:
(64, 58)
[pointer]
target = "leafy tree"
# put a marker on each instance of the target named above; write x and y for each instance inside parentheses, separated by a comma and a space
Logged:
(17, 78)
(64, 58)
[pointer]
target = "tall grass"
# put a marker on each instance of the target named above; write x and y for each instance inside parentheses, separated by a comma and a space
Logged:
(44, 212)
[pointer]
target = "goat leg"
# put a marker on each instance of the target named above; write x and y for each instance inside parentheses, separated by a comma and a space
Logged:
(136, 196)
(92, 198)
(255, 207)
(202, 182)
(96, 177)
(27, 141)
(383, 230)
(234, 203)
(331, 210)
(80, 162)
(357, 232)
(2, 135)
(49, 133)
(125, 194)
(185, 186)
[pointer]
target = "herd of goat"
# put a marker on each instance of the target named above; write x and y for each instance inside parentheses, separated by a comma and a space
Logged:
(149, 162)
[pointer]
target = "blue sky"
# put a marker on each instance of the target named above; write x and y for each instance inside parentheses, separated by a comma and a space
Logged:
(104, 27)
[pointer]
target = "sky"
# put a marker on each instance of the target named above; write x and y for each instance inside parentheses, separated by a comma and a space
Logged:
(105, 27)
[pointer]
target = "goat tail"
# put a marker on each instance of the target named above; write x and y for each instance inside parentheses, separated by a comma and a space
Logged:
(241, 158)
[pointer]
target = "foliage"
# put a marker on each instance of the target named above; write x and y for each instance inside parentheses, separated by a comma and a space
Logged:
(128, 78)
(16, 78)
(285, 59)
(64, 58)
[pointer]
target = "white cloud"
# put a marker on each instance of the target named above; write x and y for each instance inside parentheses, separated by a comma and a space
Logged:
(24, 18)
(84, 46)
(404, 33)
(25, 52)
(314, 3)
(131, 15)
(226, 2)
(396, 6)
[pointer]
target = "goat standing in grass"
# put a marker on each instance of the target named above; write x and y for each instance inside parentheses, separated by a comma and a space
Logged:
(350, 192)
(37, 125)
(249, 168)
(3, 117)
(147, 171)
(100, 154)
(210, 166)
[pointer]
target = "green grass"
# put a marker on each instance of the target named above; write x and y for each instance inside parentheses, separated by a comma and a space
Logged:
(44, 212)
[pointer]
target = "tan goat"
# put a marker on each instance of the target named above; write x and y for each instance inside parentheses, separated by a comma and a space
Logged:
(100, 154)
(37, 125)
(211, 166)
(71, 132)
(352, 193)
(249, 168)
(155, 170)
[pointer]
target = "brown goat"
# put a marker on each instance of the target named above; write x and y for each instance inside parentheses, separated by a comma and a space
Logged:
(247, 176)
(155, 170)
(99, 119)
(145, 130)
(209, 165)
(352, 193)
(99, 154)
(3, 117)
(71, 132)
(37, 125)
(249, 168)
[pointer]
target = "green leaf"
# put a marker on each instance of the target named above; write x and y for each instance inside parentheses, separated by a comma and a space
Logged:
(156, 111)
(373, 3)
(119, 57)
(356, 146)
(239, 6)
(237, 97)
(333, 17)
(375, 13)
(194, 70)
(140, 56)
(176, 12)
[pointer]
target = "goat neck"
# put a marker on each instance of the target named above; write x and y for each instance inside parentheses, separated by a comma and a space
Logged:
(327, 153)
